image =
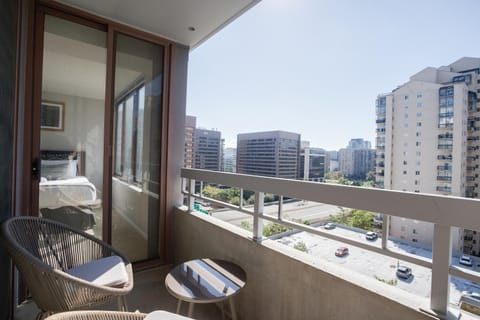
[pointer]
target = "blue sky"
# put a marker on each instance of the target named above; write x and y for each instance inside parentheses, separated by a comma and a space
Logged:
(315, 67)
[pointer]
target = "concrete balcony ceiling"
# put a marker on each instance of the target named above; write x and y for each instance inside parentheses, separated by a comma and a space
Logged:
(188, 22)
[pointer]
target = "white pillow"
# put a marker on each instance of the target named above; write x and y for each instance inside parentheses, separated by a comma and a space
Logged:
(109, 271)
(164, 315)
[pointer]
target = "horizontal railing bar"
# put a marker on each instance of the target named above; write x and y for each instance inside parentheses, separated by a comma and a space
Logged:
(444, 210)
(465, 274)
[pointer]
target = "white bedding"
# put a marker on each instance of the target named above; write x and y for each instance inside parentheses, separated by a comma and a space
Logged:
(74, 191)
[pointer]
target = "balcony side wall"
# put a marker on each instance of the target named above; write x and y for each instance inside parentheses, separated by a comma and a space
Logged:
(8, 54)
(176, 136)
(286, 285)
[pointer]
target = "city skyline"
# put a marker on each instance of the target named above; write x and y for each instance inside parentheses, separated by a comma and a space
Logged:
(234, 141)
(316, 68)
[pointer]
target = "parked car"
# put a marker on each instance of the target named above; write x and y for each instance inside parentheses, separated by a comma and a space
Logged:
(329, 226)
(404, 272)
(466, 261)
(370, 235)
(342, 251)
(470, 301)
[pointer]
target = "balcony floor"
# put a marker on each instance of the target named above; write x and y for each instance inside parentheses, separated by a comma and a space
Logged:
(149, 294)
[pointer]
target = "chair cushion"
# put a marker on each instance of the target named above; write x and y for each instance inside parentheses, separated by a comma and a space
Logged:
(164, 315)
(109, 271)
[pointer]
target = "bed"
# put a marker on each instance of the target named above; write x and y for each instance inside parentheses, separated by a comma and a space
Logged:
(65, 194)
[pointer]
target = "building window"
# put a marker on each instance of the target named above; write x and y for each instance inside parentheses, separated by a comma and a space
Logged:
(405, 162)
(419, 95)
(418, 154)
(417, 173)
(128, 135)
(414, 240)
(419, 114)
(406, 97)
(414, 231)
(404, 172)
(418, 134)
(418, 143)
(419, 124)
(416, 182)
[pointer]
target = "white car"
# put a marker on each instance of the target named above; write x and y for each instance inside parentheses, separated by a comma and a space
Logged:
(466, 261)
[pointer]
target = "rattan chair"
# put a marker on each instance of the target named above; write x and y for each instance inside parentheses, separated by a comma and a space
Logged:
(97, 315)
(43, 250)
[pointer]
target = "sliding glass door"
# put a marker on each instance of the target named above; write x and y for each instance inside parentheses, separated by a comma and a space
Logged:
(137, 147)
(72, 117)
(98, 130)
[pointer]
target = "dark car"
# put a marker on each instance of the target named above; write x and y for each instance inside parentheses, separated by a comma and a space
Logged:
(342, 251)
(370, 235)
(404, 272)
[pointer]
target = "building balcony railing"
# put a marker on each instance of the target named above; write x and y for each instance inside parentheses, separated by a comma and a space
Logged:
(445, 146)
(445, 168)
(444, 189)
(380, 120)
(470, 178)
(444, 157)
(435, 209)
(447, 135)
(444, 178)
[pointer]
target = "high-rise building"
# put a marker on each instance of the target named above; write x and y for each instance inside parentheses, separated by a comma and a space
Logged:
(190, 124)
(312, 163)
(428, 141)
(271, 153)
(357, 159)
(230, 160)
(208, 148)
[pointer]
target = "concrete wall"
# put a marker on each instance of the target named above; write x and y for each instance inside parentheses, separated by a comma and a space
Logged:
(284, 283)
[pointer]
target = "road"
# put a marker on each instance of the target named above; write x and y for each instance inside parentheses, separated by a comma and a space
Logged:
(304, 210)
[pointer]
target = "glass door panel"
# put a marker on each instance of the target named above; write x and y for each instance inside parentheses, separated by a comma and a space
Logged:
(137, 147)
(72, 124)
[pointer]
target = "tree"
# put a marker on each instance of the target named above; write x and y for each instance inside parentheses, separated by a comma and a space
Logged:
(361, 219)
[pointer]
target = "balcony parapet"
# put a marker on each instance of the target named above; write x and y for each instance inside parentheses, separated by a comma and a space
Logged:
(436, 209)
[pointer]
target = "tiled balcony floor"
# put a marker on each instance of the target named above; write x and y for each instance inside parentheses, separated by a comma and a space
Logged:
(149, 294)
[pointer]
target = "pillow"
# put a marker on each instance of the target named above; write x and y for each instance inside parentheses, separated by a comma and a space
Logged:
(59, 169)
(109, 271)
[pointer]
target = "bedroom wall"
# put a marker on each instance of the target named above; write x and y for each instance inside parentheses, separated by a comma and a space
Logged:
(83, 130)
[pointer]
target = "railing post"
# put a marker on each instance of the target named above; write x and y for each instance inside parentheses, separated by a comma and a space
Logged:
(441, 260)
(257, 216)
(280, 207)
(241, 199)
(385, 230)
(191, 191)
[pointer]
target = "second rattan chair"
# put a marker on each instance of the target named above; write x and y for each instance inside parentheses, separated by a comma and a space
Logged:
(44, 252)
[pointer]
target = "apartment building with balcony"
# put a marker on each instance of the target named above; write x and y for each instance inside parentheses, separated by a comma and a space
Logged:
(269, 153)
(357, 159)
(190, 125)
(428, 142)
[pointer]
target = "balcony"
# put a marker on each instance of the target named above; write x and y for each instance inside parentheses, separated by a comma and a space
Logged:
(444, 178)
(444, 157)
(444, 189)
(272, 267)
(380, 120)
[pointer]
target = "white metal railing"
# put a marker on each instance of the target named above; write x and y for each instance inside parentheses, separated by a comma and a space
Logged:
(443, 211)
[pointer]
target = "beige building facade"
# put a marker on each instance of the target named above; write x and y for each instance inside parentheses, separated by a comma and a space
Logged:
(427, 142)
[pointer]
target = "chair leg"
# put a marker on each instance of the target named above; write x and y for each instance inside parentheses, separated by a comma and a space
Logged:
(122, 303)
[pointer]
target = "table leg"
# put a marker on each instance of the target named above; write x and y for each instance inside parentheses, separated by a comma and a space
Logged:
(190, 309)
(232, 309)
(179, 305)
(223, 309)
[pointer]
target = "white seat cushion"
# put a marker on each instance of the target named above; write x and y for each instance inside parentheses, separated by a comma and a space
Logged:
(164, 315)
(109, 271)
